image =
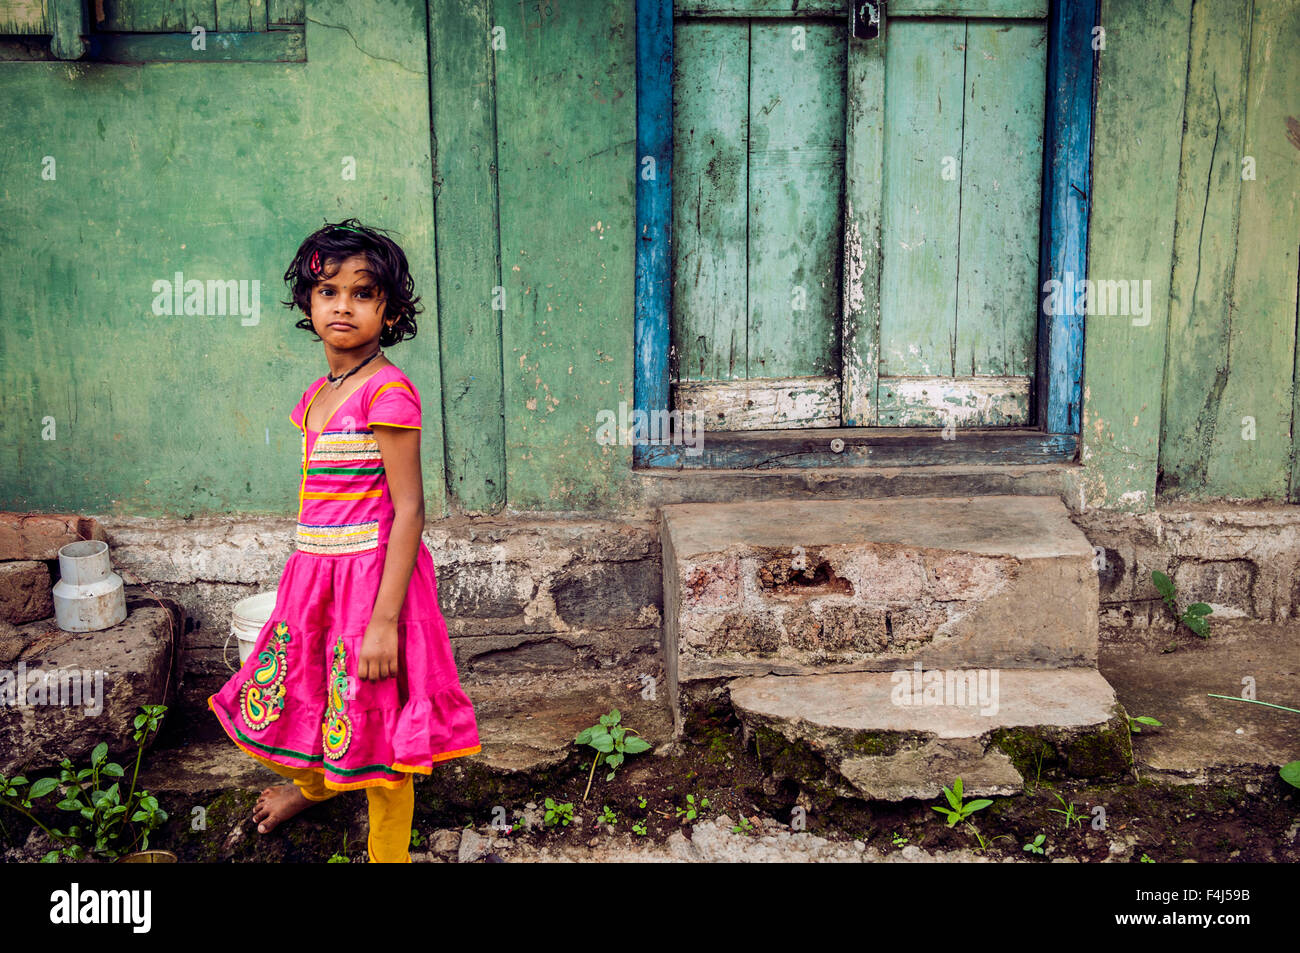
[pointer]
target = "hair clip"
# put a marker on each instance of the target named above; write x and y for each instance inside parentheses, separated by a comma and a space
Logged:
(314, 264)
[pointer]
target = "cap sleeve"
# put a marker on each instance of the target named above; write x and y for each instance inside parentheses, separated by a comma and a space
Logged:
(395, 404)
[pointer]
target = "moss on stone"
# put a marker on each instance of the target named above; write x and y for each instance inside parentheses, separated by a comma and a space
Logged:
(875, 743)
(1052, 754)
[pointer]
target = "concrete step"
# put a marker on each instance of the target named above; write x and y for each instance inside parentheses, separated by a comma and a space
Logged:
(887, 736)
(800, 587)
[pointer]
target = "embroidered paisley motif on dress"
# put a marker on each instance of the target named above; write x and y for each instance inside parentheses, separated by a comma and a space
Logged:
(262, 698)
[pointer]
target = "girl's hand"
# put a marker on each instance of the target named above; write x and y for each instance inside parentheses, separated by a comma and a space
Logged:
(378, 651)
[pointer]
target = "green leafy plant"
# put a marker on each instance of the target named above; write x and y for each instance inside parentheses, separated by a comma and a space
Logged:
(745, 826)
(1043, 751)
(1193, 617)
(417, 839)
(641, 802)
(900, 839)
(1070, 816)
(612, 742)
(557, 814)
(114, 825)
(959, 811)
(692, 810)
(607, 815)
(342, 856)
(1290, 773)
(1035, 846)
(1144, 859)
(1134, 724)
(639, 829)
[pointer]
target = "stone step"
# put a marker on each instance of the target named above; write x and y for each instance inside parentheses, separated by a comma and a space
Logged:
(891, 736)
(797, 587)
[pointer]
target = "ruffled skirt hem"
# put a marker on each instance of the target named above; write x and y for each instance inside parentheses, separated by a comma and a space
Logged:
(393, 775)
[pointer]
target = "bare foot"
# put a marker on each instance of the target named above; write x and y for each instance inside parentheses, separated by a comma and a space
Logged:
(278, 803)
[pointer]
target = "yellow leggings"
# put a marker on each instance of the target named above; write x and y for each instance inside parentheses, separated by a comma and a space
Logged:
(391, 811)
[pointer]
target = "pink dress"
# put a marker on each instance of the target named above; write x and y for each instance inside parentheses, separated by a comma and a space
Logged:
(298, 700)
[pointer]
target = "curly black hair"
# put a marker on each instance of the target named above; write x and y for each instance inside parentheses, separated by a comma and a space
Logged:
(337, 242)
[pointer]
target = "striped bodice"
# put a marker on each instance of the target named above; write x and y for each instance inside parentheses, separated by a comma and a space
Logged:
(344, 505)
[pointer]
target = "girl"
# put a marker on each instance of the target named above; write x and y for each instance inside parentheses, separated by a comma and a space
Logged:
(352, 683)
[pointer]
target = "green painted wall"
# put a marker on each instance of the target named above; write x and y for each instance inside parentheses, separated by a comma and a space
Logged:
(218, 171)
(514, 199)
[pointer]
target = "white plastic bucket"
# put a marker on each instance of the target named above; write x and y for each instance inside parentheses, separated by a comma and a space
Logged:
(248, 618)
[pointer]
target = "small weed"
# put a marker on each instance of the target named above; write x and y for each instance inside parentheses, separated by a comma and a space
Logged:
(608, 816)
(960, 811)
(342, 856)
(557, 814)
(1134, 723)
(639, 829)
(1193, 617)
(1070, 816)
(744, 827)
(900, 839)
(641, 802)
(1035, 846)
(417, 839)
(1144, 859)
(612, 741)
(691, 811)
(1038, 765)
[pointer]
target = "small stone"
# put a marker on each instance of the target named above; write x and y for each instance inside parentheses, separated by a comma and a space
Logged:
(472, 847)
(445, 843)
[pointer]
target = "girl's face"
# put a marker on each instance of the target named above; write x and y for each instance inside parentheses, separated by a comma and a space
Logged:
(347, 308)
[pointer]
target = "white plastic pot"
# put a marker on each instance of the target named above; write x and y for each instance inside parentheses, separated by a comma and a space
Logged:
(89, 596)
(248, 619)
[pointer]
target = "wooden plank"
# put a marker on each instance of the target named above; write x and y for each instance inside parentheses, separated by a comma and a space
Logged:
(1001, 198)
(654, 204)
(864, 140)
(241, 16)
(923, 121)
(1266, 278)
(279, 46)
(763, 404)
(762, 8)
(839, 8)
(463, 91)
(1132, 235)
(564, 156)
(839, 447)
(1201, 314)
(175, 16)
(1063, 256)
(710, 200)
(285, 12)
(1026, 9)
(201, 13)
(140, 16)
(23, 17)
(796, 182)
(955, 401)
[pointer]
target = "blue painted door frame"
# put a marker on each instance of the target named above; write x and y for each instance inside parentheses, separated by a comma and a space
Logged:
(1067, 154)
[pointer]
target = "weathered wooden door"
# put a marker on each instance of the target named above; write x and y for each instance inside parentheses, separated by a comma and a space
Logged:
(856, 222)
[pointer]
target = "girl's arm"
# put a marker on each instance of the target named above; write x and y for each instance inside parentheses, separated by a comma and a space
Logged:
(400, 449)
